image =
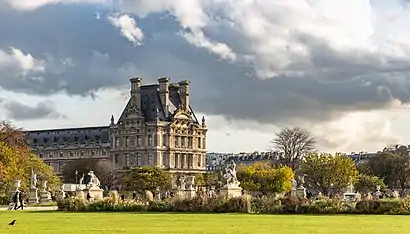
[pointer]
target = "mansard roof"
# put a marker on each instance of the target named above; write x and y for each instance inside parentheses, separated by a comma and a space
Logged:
(151, 105)
(85, 135)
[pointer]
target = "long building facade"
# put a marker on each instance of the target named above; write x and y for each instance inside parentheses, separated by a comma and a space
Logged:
(157, 127)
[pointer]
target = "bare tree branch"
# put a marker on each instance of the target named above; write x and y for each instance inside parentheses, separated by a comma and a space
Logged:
(294, 143)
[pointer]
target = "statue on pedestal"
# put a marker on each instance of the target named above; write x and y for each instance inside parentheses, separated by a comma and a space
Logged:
(182, 182)
(94, 181)
(33, 180)
(230, 175)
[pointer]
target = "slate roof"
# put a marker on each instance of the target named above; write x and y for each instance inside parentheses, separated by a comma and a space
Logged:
(97, 135)
(150, 106)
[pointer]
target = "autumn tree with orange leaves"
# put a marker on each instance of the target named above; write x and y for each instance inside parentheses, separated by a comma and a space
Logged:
(17, 160)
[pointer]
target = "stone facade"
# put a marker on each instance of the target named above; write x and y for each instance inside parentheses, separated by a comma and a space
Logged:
(157, 127)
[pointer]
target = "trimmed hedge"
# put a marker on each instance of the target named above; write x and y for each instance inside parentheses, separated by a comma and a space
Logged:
(244, 204)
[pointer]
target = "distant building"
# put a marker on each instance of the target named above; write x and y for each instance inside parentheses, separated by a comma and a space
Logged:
(157, 127)
(216, 161)
(362, 157)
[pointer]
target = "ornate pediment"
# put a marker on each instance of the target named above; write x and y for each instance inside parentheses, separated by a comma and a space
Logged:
(181, 115)
(131, 111)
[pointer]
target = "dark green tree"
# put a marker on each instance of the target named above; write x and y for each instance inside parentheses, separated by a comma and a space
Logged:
(147, 178)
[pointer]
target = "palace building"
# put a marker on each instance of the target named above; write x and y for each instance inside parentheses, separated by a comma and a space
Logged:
(157, 127)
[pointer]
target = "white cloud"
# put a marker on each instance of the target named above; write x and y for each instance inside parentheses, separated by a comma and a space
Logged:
(24, 63)
(276, 33)
(129, 28)
(27, 5)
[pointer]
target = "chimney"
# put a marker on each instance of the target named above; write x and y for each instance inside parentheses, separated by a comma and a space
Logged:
(164, 93)
(184, 94)
(135, 91)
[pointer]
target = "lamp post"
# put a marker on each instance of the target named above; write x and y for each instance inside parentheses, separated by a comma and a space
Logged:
(76, 178)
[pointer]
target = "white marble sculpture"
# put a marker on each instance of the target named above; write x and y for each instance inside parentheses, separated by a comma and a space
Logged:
(182, 182)
(294, 184)
(301, 179)
(94, 181)
(44, 185)
(33, 179)
(82, 180)
(230, 175)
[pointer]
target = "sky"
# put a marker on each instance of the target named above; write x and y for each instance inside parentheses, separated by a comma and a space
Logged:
(339, 69)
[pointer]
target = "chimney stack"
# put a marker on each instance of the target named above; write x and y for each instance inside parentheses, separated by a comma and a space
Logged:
(135, 91)
(164, 93)
(184, 94)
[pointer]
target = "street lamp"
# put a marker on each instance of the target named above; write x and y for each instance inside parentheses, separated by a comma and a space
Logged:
(76, 178)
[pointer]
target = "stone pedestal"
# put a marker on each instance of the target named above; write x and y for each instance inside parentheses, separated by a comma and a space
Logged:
(95, 193)
(301, 192)
(79, 193)
(45, 197)
(189, 193)
(231, 191)
(293, 193)
(33, 197)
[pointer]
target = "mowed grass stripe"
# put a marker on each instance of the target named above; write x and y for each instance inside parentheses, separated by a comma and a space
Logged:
(61, 222)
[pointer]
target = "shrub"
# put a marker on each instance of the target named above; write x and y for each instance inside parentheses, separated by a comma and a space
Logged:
(5, 200)
(244, 204)
(71, 204)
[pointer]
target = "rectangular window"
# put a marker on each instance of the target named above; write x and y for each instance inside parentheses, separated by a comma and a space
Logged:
(199, 160)
(61, 154)
(176, 141)
(150, 159)
(138, 160)
(150, 143)
(183, 142)
(127, 141)
(164, 140)
(176, 161)
(126, 159)
(138, 140)
(199, 143)
(190, 142)
(164, 159)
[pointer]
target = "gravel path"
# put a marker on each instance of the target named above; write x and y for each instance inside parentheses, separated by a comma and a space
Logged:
(38, 208)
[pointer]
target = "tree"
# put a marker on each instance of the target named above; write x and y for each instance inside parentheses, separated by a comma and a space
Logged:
(265, 178)
(17, 161)
(294, 143)
(366, 183)
(394, 169)
(328, 174)
(206, 179)
(147, 178)
(102, 169)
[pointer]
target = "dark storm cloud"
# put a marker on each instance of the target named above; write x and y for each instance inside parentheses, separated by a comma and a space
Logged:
(84, 54)
(20, 111)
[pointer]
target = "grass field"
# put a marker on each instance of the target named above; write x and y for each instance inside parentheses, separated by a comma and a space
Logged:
(53, 222)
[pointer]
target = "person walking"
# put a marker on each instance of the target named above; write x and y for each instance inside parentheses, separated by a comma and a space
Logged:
(16, 199)
(21, 201)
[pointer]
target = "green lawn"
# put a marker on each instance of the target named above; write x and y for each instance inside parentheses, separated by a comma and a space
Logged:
(58, 222)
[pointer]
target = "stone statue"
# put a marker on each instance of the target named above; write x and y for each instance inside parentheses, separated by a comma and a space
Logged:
(190, 182)
(182, 182)
(230, 175)
(294, 184)
(81, 180)
(94, 181)
(33, 179)
(44, 185)
(301, 179)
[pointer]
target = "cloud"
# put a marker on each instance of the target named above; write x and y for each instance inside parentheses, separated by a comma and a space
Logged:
(20, 111)
(276, 63)
(128, 27)
(23, 63)
(28, 5)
